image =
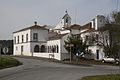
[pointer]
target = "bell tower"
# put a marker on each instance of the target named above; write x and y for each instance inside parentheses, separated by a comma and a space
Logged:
(66, 20)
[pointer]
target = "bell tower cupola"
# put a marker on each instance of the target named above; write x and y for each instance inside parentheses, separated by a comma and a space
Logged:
(66, 20)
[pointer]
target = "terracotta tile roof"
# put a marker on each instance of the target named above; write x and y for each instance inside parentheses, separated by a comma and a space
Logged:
(52, 32)
(89, 30)
(58, 36)
(74, 26)
(33, 27)
(57, 29)
(86, 26)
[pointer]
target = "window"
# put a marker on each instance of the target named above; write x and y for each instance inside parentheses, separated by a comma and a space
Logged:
(22, 50)
(14, 40)
(26, 37)
(100, 20)
(67, 20)
(18, 39)
(97, 51)
(57, 49)
(22, 38)
(35, 36)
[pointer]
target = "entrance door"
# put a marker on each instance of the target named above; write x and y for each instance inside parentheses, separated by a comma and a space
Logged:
(97, 51)
(21, 50)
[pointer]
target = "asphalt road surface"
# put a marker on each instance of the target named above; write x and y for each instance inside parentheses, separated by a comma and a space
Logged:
(33, 69)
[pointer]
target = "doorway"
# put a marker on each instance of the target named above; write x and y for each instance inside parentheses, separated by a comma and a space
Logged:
(97, 51)
(22, 50)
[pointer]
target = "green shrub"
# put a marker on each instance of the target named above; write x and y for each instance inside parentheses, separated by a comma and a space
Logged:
(103, 77)
(6, 62)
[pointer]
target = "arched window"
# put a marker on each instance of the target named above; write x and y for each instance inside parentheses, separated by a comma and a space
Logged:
(67, 20)
(43, 48)
(57, 49)
(36, 48)
(53, 49)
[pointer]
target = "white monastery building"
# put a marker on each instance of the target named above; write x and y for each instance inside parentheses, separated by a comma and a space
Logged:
(41, 41)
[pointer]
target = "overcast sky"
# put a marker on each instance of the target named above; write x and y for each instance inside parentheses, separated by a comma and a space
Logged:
(18, 14)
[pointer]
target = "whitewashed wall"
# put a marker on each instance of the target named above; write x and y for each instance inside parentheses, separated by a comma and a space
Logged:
(42, 34)
(101, 53)
(100, 21)
(57, 56)
(75, 31)
(65, 31)
(26, 45)
(63, 50)
(55, 42)
(20, 35)
(48, 55)
(93, 48)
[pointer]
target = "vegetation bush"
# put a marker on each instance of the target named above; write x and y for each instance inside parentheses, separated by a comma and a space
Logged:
(6, 62)
(103, 77)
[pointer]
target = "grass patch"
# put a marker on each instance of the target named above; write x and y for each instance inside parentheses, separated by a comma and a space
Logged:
(6, 62)
(103, 77)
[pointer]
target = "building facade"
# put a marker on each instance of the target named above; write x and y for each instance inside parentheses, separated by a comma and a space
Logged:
(41, 41)
(92, 33)
(28, 40)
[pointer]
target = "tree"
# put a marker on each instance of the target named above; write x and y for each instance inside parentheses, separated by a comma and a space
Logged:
(113, 46)
(79, 45)
(116, 17)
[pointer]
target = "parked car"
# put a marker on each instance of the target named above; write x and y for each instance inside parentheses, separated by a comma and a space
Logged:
(111, 60)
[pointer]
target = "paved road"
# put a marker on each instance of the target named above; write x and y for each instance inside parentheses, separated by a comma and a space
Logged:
(33, 69)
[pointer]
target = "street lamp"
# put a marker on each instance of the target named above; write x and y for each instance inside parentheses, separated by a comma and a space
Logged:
(70, 46)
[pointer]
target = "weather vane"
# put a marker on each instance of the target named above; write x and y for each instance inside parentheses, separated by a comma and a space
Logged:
(66, 11)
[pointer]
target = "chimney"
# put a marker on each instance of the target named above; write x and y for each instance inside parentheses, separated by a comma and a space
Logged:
(35, 23)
